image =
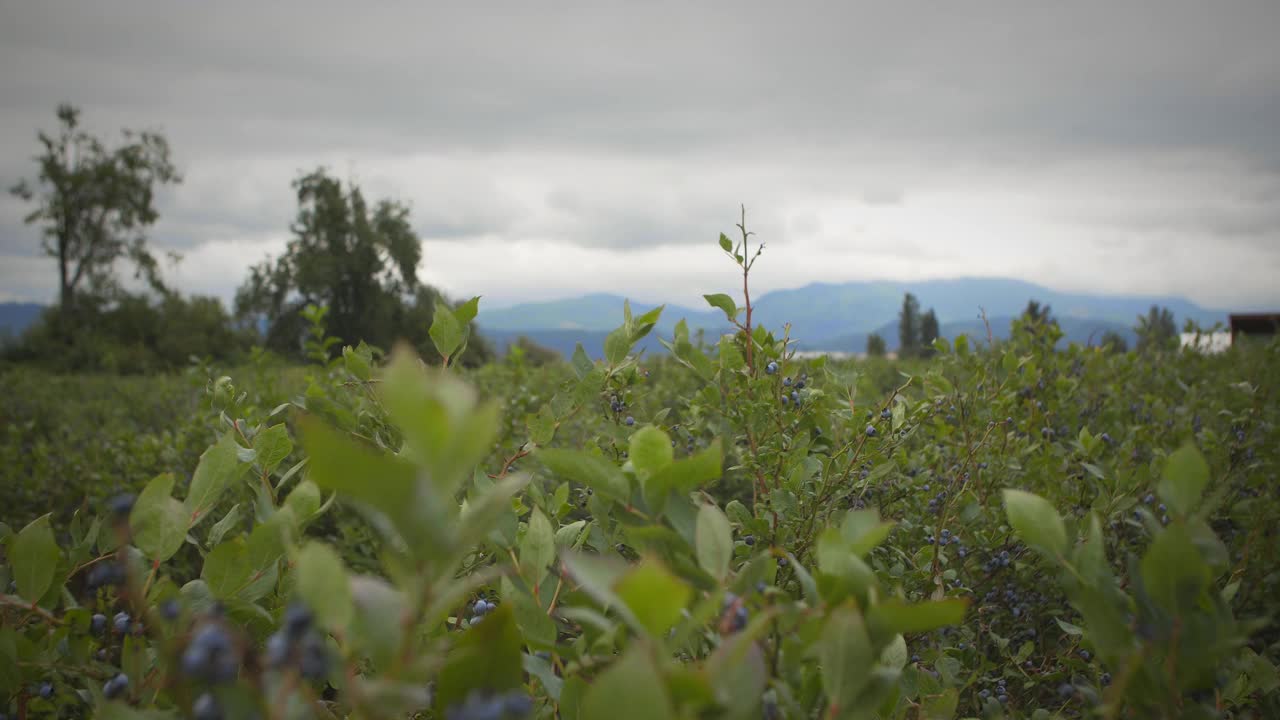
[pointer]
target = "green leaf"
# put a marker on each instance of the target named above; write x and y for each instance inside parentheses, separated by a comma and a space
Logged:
(220, 467)
(582, 365)
(377, 628)
(223, 526)
(538, 628)
(33, 555)
(568, 535)
(714, 541)
(616, 346)
(655, 596)
(631, 689)
(842, 572)
(487, 657)
(446, 330)
(159, 522)
(541, 426)
(381, 481)
(304, 500)
(323, 585)
(725, 243)
(725, 303)
(273, 446)
(357, 362)
(590, 470)
(1185, 476)
(864, 531)
(467, 311)
(1173, 572)
(845, 656)
(685, 475)
(650, 451)
(1036, 522)
(446, 430)
(226, 569)
(596, 576)
(537, 549)
(897, 617)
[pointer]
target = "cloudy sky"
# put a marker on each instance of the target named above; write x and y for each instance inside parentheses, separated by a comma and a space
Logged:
(550, 149)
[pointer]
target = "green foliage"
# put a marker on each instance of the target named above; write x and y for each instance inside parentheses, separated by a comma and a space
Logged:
(729, 531)
(876, 346)
(909, 327)
(1157, 331)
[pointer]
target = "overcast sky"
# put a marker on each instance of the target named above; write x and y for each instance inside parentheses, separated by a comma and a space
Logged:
(550, 149)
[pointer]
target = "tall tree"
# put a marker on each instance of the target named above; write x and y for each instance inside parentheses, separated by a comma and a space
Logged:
(1156, 330)
(359, 262)
(1037, 314)
(94, 204)
(876, 346)
(929, 331)
(909, 327)
(1114, 342)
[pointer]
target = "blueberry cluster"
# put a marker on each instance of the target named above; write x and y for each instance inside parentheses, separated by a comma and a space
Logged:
(482, 607)
(298, 643)
(1001, 693)
(211, 656)
(480, 705)
(738, 614)
(946, 538)
(997, 561)
(106, 574)
(935, 502)
(771, 368)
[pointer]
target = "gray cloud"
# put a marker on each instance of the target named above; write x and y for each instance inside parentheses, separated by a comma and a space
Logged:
(1006, 133)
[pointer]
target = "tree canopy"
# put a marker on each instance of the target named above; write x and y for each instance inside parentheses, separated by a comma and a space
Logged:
(93, 204)
(360, 261)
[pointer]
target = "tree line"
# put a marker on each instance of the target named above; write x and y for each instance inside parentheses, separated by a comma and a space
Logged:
(916, 332)
(93, 205)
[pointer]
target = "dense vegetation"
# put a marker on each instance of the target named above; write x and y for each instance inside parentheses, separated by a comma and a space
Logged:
(1012, 529)
(92, 206)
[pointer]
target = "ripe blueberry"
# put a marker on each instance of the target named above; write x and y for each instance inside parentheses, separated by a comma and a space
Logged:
(206, 707)
(297, 620)
(630, 421)
(278, 650)
(121, 505)
(115, 686)
(771, 368)
(121, 622)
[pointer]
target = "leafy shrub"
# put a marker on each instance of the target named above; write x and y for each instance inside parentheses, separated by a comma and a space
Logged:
(1066, 532)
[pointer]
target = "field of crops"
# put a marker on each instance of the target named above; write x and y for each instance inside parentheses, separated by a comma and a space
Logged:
(1012, 530)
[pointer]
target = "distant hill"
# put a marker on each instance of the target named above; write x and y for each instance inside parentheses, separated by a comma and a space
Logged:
(15, 318)
(838, 316)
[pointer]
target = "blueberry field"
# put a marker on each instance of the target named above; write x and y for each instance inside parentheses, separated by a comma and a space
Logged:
(1019, 528)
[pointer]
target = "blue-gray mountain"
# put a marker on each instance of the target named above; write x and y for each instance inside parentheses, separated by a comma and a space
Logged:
(823, 316)
(827, 316)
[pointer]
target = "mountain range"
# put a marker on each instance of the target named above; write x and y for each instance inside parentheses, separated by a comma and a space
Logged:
(823, 316)
(840, 316)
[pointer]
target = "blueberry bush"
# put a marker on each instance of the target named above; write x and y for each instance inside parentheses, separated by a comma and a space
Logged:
(1010, 529)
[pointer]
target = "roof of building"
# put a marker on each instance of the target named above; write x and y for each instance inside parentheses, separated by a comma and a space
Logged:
(1250, 323)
